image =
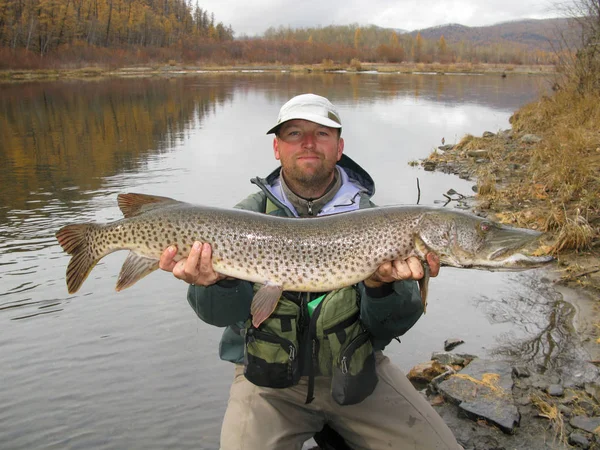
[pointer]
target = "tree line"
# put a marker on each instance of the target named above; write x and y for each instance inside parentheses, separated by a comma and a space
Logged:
(373, 43)
(43, 26)
(120, 32)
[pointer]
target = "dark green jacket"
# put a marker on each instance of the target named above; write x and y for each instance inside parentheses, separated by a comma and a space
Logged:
(387, 312)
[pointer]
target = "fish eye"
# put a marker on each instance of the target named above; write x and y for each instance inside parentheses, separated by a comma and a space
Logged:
(485, 226)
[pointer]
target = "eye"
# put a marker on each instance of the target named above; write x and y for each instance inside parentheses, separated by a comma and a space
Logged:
(485, 226)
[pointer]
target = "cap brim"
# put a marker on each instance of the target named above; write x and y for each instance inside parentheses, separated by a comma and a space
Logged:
(311, 118)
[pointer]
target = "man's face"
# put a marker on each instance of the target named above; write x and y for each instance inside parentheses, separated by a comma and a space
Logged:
(308, 152)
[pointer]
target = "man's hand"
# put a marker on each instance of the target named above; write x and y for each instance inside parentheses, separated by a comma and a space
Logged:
(195, 269)
(410, 269)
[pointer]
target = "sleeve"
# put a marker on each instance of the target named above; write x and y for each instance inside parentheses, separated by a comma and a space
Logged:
(390, 310)
(223, 303)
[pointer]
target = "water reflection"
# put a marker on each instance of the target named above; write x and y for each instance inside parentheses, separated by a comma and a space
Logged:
(543, 332)
(73, 134)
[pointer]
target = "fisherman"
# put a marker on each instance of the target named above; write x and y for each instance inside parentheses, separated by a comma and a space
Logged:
(316, 362)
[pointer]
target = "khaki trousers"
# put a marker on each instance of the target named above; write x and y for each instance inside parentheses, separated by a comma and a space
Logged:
(394, 416)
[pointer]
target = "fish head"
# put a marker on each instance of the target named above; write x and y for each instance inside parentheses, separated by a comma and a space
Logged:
(468, 241)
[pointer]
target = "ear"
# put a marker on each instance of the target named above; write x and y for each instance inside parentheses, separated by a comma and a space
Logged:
(276, 148)
(340, 148)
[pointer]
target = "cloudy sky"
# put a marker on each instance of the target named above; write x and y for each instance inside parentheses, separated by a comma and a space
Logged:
(255, 16)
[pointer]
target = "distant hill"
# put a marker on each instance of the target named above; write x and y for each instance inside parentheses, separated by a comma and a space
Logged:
(533, 34)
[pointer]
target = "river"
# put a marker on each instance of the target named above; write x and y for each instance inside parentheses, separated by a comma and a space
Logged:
(138, 369)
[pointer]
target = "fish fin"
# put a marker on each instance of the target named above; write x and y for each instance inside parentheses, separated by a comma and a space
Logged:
(133, 204)
(72, 239)
(264, 303)
(134, 269)
(424, 285)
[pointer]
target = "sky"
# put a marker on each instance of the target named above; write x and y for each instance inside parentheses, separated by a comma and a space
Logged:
(256, 16)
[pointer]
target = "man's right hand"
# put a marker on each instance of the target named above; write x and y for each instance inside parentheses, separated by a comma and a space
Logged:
(195, 269)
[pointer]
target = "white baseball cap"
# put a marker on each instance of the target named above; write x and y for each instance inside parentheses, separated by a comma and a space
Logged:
(309, 107)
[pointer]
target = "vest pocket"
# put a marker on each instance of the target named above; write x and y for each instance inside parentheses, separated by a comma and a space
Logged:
(270, 360)
(354, 374)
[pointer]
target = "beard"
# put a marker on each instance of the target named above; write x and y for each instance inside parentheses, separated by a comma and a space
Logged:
(314, 177)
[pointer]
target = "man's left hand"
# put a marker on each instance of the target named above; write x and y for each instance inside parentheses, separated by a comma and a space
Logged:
(409, 269)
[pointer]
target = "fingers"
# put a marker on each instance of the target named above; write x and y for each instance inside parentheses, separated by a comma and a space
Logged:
(166, 259)
(409, 269)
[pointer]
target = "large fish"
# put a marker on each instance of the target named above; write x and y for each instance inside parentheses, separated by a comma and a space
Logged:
(308, 255)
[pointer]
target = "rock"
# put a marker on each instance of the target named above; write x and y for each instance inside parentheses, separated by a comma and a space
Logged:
(579, 439)
(447, 358)
(429, 166)
(478, 153)
(446, 148)
(555, 390)
(425, 372)
(482, 161)
(452, 343)
(565, 410)
(488, 134)
(530, 139)
(521, 372)
(436, 400)
(484, 390)
(589, 424)
(593, 389)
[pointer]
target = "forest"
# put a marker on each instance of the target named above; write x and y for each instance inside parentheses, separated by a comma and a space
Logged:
(38, 34)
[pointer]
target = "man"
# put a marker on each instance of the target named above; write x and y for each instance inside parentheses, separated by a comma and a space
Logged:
(280, 398)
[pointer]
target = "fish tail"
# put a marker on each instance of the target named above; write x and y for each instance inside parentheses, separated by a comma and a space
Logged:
(74, 240)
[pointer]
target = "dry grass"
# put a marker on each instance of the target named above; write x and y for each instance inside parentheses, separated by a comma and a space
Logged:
(548, 409)
(558, 185)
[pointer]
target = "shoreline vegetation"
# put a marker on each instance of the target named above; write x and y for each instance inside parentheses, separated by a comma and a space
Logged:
(173, 68)
(544, 174)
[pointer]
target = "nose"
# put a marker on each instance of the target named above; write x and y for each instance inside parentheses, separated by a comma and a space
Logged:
(308, 140)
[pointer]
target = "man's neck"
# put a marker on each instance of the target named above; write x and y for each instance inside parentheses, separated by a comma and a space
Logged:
(310, 205)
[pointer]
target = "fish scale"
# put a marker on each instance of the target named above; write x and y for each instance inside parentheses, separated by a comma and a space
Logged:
(307, 255)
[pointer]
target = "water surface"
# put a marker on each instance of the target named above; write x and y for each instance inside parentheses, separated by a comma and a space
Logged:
(137, 369)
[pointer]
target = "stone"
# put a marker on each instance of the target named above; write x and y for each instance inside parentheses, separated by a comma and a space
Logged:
(530, 139)
(484, 390)
(452, 343)
(579, 439)
(521, 372)
(488, 134)
(565, 410)
(593, 389)
(425, 372)
(448, 358)
(429, 166)
(478, 153)
(589, 424)
(555, 390)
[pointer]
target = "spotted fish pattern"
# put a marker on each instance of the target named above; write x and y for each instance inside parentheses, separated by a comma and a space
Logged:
(308, 255)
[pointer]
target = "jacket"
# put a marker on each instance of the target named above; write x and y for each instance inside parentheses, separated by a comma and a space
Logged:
(386, 312)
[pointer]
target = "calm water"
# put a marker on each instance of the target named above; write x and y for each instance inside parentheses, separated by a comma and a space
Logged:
(137, 369)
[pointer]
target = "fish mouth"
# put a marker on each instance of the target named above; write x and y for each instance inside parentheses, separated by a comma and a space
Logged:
(510, 259)
(515, 248)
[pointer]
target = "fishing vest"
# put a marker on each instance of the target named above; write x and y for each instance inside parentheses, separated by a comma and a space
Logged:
(329, 325)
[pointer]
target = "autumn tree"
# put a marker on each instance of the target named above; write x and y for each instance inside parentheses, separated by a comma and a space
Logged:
(357, 38)
(46, 25)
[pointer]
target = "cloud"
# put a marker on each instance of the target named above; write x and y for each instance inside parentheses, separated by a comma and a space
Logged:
(259, 15)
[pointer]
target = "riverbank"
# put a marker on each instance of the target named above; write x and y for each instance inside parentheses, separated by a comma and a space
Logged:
(355, 66)
(531, 406)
